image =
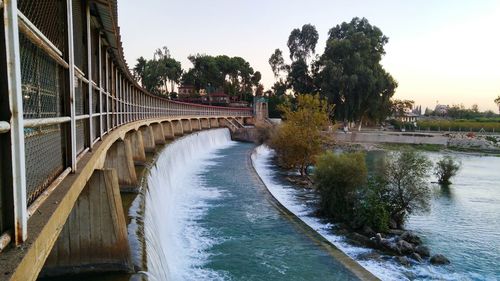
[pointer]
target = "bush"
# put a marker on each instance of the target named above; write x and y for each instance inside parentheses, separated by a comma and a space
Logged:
(446, 168)
(372, 209)
(404, 184)
(337, 178)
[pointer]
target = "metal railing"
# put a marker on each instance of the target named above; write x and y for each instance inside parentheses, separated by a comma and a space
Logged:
(65, 85)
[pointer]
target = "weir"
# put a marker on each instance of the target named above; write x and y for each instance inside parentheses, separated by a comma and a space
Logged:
(73, 124)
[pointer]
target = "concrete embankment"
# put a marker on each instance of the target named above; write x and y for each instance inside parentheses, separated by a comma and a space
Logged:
(391, 137)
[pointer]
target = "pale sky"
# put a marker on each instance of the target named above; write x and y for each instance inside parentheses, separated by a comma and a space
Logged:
(446, 51)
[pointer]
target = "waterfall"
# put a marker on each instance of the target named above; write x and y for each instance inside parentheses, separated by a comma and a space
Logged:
(175, 199)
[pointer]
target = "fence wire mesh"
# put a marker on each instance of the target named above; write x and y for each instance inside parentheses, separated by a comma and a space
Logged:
(41, 89)
(79, 35)
(49, 17)
(44, 157)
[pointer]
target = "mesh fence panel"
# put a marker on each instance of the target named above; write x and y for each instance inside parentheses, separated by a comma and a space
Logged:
(80, 136)
(49, 17)
(79, 35)
(42, 93)
(44, 157)
(79, 93)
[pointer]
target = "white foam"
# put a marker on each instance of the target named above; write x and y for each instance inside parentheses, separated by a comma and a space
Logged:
(176, 198)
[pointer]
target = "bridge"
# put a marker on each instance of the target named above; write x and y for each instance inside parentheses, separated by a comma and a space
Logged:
(74, 124)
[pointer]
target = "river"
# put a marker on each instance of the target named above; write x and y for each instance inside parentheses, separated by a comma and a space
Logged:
(463, 223)
(209, 217)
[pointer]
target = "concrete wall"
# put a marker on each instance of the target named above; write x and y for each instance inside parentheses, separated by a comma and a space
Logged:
(386, 137)
(54, 223)
(94, 238)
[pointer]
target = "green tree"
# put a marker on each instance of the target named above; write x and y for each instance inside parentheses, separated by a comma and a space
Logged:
(277, 62)
(302, 42)
(497, 101)
(337, 177)
(404, 177)
(298, 139)
(139, 69)
(445, 169)
(351, 75)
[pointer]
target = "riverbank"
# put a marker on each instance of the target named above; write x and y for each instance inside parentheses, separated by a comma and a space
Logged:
(462, 244)
(460, 142)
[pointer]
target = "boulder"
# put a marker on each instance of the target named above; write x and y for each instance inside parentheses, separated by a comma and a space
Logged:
(410, 237)
(417, 257)
(372, 255)
(405, 247)
(403, 261)
(361, 239)
(395, 231)
(368, 231)
(423, 251)
(439, 259)
(393, 224)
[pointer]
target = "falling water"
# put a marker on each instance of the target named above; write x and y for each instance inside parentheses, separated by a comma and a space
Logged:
(174, 200)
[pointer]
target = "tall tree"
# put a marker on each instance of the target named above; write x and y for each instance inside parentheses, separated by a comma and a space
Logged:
(277, 62)
(139, 69)
(497, 101)
(302, 42)
(351, 75)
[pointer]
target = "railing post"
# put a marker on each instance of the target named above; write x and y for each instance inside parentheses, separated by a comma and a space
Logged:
(16, 121)
(89, 75)
(100, 84)
(71, 83)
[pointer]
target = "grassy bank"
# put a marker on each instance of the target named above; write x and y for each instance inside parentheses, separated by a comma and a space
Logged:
(459, 125)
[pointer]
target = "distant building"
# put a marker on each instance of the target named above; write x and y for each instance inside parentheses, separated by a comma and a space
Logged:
(186, 91)
(217, 98)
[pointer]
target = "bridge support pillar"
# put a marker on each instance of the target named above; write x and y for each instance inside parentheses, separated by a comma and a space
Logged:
(148, 139)
(168, 130)
(195, 125)
(159, 135)
(94, 237)
(186, 126)
(205, 124)
(137, 145)
(178, 129)
(119, 157)
(214, 123)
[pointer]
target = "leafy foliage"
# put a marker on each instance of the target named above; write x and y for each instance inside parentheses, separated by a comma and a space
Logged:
(337, 178)
(302, 42)
(351, 75)
(298, 140)
(446, 168)
(156, 74)
(234, 75)
(404, 181)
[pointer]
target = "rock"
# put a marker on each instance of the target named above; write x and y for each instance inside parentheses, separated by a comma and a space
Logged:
(368, 231)
(439, 259)
(405, 247)
(417, 257)
(395, 231)
(390, 247)
(423, 251)
(361, 239)
(411, 237)
(370, 256)
(403, 261)
(393, 224)
(378, 238)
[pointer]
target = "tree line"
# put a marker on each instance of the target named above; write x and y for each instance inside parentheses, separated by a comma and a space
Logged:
(232, 75)
(348, 73)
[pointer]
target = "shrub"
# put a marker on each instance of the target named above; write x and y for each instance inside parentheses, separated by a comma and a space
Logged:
(337, 178)
(404, 184)
(371, 208)
(446, 168)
